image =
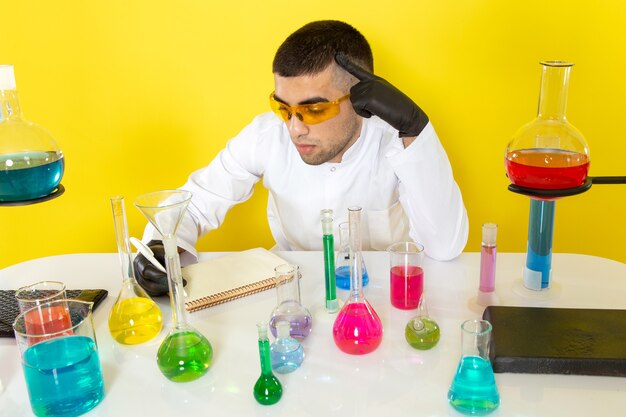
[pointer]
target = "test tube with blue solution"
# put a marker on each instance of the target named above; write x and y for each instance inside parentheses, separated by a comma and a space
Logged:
(539, 252)
(342, 263)
(332, 305)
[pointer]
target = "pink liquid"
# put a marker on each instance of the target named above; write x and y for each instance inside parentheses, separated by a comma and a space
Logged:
(407, 285)
(47, 320)
(487, 269)
(546, 168)
(357, 329)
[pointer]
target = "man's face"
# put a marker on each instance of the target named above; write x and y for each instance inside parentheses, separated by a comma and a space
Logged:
(326, 141)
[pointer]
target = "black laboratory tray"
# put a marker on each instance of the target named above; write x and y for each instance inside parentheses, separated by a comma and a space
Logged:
(9, 308)
(558, 340)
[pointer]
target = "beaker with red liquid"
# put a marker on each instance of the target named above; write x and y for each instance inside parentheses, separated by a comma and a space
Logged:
(549, 152)
(357, 329)
(406, 276)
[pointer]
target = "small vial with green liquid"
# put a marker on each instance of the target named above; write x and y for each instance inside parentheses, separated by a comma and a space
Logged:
(267, 389)
(422, 332)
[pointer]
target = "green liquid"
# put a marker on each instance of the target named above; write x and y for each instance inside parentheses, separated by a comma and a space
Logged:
(267, 390)
(422, 333)
(184, 356)
(329, 273)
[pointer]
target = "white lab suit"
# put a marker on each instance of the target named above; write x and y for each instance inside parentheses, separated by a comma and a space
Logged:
(404, 193)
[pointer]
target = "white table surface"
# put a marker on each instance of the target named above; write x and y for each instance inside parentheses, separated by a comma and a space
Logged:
(395, 380)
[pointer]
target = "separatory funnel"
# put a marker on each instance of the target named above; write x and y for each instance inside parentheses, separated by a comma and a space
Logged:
(185, 354)
(135, 317)
(357, 329)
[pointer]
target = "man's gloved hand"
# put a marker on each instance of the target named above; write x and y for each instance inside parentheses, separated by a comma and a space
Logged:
(373, 95)
(152, 279)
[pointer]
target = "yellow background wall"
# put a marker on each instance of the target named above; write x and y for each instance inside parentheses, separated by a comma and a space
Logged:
(140, 93)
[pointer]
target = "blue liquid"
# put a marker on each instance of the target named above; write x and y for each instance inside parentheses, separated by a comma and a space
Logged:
(286, 355)
(28, 175)
(342, 277)
(474, 389)
(63, 376)
(540, 235)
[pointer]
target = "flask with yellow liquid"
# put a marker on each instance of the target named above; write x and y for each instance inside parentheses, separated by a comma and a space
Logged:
(135, 318)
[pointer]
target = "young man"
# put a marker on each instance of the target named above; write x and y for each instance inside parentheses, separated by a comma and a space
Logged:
(339, 137)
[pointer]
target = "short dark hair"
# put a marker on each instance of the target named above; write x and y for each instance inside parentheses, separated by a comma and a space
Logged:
(312, 48)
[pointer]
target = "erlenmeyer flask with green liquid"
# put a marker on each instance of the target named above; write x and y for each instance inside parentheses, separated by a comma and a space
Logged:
(185, 354)
(134, 318)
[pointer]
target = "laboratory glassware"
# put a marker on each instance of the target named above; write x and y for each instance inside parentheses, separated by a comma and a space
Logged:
(473, 390)
(331, 304)
(357, 329)
(185, 354)
(38, 293)
(548, 153)
(135, 317)
(406, 275)
(267, 389)
(488, 251)
(61, 364)
(286, 352)
(31, 162)
(342, 263)
(422, 331)
(289, 308)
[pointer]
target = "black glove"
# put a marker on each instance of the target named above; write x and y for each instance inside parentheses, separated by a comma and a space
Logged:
(152, 279)
(373, 95)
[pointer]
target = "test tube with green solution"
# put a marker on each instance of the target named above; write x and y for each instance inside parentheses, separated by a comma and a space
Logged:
(332, 305)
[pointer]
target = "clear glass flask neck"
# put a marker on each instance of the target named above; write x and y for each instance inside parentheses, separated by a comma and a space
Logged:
(553, 90)
(9, 105)
(356, 259)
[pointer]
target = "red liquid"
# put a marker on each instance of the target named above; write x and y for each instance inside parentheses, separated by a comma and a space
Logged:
(357, 329)
(549, 169)
(47, 320)
(407, 285)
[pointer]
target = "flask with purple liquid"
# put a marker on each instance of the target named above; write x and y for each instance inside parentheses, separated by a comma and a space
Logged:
(289, 307)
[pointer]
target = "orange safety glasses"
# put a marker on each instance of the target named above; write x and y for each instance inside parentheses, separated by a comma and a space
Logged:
(309, 114)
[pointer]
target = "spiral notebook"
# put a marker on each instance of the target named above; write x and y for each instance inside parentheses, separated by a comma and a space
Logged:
(229, 277)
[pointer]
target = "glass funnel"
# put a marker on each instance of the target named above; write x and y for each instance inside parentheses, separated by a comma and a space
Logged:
(343, 262)
(357, 329)
(135, 317)
(185, 354)
(549, 152)
(31, 163)
(289, 308)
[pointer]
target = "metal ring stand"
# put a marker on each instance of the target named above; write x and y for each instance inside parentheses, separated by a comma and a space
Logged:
(56, 193)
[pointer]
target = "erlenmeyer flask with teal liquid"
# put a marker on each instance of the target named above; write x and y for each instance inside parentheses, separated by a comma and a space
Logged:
(185, 354)
(473, 390)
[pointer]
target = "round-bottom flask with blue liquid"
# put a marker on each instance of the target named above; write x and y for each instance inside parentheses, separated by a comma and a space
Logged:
(286, 352)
